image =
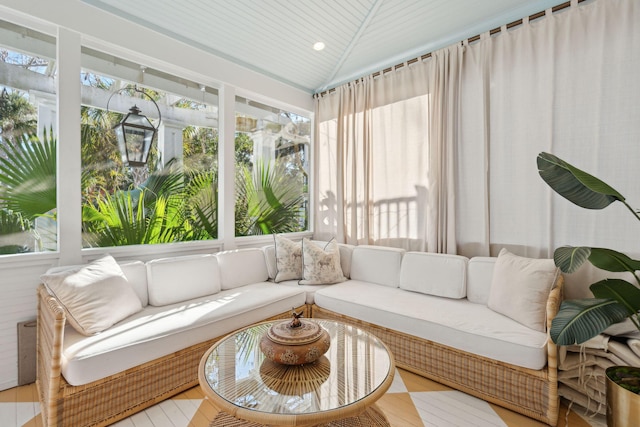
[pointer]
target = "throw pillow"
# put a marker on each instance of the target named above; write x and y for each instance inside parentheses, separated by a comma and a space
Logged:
(94, 296)
(321, 266)
(288, 259)
(520, 288)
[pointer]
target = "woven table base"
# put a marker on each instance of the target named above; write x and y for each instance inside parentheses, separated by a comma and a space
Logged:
(371, 417)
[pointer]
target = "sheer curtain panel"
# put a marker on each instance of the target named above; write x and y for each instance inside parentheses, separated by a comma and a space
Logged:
(386, 150)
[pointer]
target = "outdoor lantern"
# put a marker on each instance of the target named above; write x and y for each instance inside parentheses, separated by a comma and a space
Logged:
(135, 134)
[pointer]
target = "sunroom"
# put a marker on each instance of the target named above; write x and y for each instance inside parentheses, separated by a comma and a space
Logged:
(381, 137)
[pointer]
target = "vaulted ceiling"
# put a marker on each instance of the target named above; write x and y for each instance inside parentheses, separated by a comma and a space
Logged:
(276, 37)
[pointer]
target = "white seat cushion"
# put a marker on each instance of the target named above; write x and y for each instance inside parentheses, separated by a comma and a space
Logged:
(158, 331)
(310, 290)
(457, 323)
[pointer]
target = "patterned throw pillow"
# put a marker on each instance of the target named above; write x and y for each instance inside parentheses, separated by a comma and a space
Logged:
(321, 266)
(288, 259)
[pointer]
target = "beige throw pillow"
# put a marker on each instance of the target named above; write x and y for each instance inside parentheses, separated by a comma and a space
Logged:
(288, 259)
(520, 288)
(321, 266)
(94, 296)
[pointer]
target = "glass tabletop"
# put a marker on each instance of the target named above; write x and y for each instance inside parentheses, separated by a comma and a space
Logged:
(357, 368)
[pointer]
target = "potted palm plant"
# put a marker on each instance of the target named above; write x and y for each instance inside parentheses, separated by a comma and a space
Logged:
(615, 299)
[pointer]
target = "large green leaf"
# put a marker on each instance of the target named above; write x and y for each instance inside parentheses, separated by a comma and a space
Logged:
(575, 185)
(579, 320)
(610, 260)
(620, 290)
(28, 176)
(570, 258)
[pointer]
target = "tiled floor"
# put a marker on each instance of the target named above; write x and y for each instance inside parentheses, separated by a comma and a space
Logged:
(412, 401)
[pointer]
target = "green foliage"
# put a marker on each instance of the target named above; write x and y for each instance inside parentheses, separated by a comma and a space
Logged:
(17, 116)
(12, 225)
(577, 186)
(615, 299)
(268, 200)
(244, 150)
(627, 377)
(202, 200)
(28, 176)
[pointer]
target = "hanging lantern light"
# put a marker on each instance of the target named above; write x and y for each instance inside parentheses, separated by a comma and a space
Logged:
(135, 134)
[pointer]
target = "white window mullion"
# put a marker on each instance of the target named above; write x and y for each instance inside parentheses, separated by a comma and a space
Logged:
(227, 168)
(69, 163)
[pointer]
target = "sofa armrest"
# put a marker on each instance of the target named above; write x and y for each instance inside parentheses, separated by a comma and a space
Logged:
(553, 306)
(50, 333)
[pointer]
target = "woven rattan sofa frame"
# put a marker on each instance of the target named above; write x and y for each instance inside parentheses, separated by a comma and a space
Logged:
(113, 398)
(533, 393)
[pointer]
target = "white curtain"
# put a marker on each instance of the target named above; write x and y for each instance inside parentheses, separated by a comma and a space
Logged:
(386, 157)
(567, 84)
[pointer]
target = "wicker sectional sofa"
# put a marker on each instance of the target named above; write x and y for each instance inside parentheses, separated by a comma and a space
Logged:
(435, 313)
(188, 303)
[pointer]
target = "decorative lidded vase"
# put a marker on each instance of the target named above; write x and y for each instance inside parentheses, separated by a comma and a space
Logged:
(295, 342)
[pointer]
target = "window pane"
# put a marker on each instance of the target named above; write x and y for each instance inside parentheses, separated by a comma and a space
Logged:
(27, 141)
(272, 149)
(171, 198)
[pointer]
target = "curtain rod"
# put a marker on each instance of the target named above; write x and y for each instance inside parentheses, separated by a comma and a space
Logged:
(475, 38)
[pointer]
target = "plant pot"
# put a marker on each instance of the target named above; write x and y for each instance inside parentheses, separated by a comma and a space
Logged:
(623, 405)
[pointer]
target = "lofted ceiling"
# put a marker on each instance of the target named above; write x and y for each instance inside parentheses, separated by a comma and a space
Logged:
(276, 37)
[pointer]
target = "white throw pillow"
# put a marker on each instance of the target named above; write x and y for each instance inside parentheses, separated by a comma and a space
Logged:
(321, 266)
(520, 288)
(288, 259)
(94, 296)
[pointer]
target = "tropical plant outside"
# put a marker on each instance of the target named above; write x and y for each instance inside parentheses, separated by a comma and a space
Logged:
(167, 201)
(27, 190)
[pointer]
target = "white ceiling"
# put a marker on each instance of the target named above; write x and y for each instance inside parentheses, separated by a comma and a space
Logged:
(275, 37)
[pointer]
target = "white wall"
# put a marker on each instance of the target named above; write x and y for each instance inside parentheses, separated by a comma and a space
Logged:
(74, 24)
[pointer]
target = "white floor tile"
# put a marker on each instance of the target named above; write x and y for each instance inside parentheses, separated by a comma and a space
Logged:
(397, 386)
(453, 408)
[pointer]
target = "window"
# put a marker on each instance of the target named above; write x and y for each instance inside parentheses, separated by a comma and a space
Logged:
(27, 141)
(272, 169)
(173, 198)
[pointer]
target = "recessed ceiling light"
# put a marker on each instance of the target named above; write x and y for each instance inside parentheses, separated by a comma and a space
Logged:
(318, 46)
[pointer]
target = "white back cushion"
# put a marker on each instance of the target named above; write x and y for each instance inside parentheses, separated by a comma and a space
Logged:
(181, 278)
(520, 288)
(94, 296)
(136, 274)
(479, 276)
(242, 267)
(441, 275)
(376, 264)
(270, 258)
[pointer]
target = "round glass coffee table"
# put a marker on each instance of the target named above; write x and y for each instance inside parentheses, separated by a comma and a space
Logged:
(342, 385)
